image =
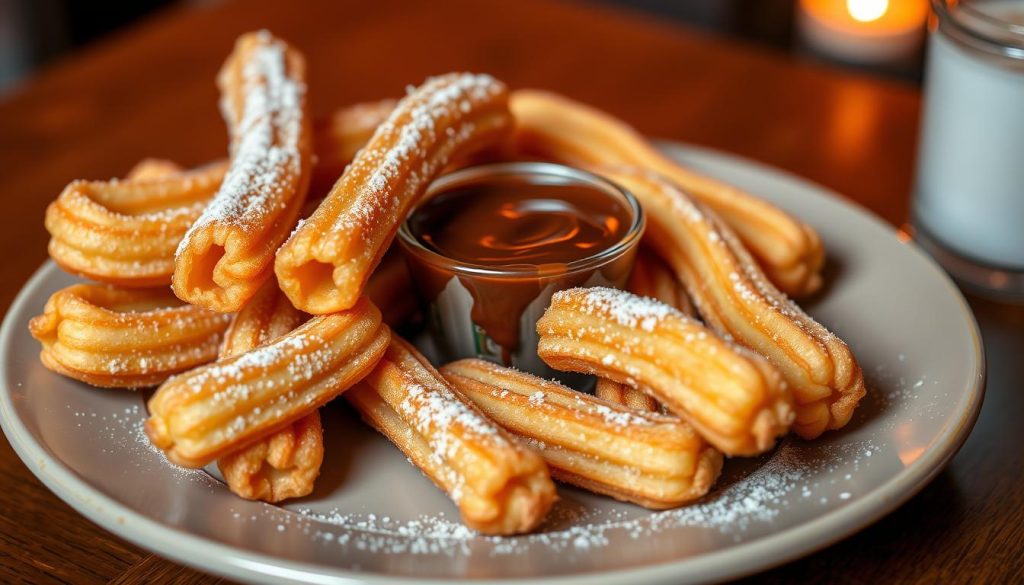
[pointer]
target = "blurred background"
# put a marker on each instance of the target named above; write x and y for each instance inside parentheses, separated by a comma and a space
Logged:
(35, 32)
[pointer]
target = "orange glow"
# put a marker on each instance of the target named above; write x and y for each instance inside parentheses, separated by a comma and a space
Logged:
(867, 10)
(881, 17)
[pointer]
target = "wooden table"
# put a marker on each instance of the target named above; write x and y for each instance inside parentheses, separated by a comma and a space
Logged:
(149, 92)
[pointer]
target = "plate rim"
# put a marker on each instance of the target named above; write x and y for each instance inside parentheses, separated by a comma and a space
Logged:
(745, 559)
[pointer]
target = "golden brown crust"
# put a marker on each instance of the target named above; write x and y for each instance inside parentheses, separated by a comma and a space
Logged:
(228, 253)
(734, 398)
(499, 485)
(557, 128)
(649, 459)
(324, 265)
(734, 297)
(211, 411)
(124, 338)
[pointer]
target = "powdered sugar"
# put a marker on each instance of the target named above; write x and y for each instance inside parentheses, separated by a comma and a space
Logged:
(447, 422)
(748, 505)
(625, 308)
(267, 137)
(412, 130)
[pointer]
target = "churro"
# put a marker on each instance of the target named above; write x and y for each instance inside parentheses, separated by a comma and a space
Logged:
(324, 265)
(734, 398)
(124, 232)
(560, 129)
(285, 464)
(649, 459)
(734, 298)
(499, 485)
(124, 338)
(217, 409)
(228, 252)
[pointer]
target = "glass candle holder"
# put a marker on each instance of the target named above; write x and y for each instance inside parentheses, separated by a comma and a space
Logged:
(485, 289)
(968, 208)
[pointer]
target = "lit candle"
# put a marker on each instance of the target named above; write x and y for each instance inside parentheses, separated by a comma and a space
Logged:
(863, 31)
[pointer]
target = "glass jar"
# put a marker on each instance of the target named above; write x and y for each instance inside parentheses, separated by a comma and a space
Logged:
(968, 208)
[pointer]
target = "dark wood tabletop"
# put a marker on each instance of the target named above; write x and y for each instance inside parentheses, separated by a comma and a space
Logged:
(149, 91)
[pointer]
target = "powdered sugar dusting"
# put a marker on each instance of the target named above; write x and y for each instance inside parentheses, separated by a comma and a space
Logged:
(448, 423)
(625, 308)
(295, 359)
(266, 142)
(436, 111)
(749, 505)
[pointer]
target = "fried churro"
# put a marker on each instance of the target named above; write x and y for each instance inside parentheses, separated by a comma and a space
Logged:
(734, 398)
(560, 129)
(499, 485)
(228, 252)
(124, 338)
(325, 264)
(649, 459)
(217, 409)
(124, 232)
(734, 298)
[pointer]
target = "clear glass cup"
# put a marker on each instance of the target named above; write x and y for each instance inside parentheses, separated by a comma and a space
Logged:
(968, 208)
(491, 312)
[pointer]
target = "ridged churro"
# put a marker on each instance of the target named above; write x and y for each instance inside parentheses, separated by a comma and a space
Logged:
(124, 232)
(124, 338)
(228, 252)
(325, 264)
(560, 129)
(209, 412)
(734, 297)
(649, 459)
(734, 398)
(285, 464)
(499, 485)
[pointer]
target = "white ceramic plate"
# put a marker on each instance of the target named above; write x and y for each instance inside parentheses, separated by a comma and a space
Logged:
(375, 519)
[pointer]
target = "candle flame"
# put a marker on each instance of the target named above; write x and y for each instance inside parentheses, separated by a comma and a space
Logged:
(867, 10)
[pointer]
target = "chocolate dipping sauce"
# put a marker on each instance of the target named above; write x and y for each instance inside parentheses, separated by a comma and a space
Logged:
(510, 235)
(510, 224)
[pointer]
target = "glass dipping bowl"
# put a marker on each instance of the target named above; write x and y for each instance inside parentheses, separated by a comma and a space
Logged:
(491, 312)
